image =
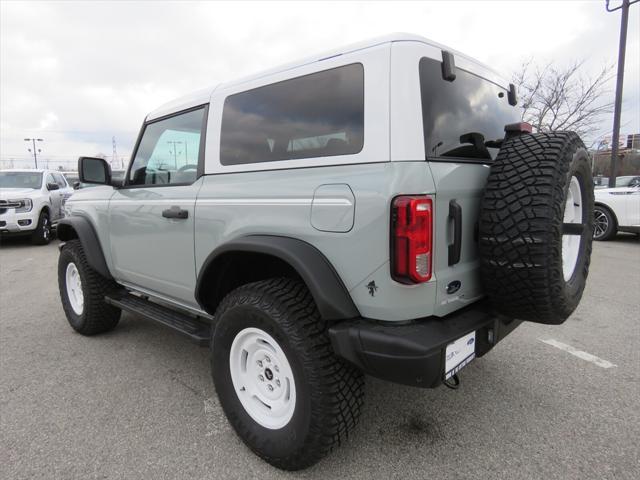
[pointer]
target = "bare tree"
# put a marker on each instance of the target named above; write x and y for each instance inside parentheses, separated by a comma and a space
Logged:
(562, 98)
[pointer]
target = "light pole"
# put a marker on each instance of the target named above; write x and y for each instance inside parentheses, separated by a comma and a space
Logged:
(35, 154)
(624, 21)
(174, 143)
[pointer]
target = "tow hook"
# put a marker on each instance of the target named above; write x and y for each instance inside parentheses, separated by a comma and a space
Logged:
(453, 382)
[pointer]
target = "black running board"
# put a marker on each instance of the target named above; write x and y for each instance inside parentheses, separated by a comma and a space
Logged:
(197, 330)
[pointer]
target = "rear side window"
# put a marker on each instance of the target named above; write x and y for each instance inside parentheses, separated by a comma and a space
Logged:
(317, 115)
(462, 118)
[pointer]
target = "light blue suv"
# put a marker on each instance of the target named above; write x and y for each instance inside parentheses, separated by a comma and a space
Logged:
(378, 209)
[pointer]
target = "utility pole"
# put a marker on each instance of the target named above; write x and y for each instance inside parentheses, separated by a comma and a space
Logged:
(624, 21)
(175, 151)
(35, 154)
(114, 155)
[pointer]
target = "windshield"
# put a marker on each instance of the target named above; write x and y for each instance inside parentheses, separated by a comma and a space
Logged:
(20, 179)
(463, 118)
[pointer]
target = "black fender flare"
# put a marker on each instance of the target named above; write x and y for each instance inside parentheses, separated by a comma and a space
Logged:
(80, 227)
(329, 292)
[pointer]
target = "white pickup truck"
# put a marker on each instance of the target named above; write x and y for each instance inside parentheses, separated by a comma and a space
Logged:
(31, 203)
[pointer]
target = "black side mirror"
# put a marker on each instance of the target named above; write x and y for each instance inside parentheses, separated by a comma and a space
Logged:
(53, 186)
(94, 170)
(76, 185)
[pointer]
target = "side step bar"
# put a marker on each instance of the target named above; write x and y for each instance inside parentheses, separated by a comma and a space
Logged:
(197, 330)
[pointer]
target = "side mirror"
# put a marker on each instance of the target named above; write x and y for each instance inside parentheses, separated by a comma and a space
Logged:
(76, 185)
(53, 186)
(94, 170)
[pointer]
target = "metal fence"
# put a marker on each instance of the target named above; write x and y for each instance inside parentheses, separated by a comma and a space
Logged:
(65, 164)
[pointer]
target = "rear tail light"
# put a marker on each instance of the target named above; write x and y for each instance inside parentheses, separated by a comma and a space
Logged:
(411, 239)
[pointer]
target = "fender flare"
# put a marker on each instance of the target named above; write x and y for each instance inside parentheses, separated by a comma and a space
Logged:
(329, 292)
(79, 227)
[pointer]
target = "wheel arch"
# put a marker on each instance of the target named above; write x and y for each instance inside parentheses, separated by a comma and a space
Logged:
(79, 227)
(258, 257)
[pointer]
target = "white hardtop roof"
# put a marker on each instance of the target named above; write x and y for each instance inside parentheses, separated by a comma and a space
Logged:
(203, 96)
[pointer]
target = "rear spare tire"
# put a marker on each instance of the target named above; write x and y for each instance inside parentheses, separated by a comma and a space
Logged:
(536, 227)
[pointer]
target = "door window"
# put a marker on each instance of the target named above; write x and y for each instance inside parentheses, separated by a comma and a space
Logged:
(60, 180)
(170, 150)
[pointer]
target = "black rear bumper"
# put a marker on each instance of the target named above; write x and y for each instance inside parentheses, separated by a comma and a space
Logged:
(414, 354)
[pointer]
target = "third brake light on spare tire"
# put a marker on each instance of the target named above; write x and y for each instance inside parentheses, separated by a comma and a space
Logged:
(411, 238)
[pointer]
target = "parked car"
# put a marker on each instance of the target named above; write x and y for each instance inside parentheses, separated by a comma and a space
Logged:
(624, 181)
(31, 202)
(617, 209)
(377, 209)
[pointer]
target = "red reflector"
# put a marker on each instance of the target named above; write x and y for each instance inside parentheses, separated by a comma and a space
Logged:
(411, 239)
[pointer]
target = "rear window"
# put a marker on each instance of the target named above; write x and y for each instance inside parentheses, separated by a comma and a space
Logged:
(316, 115)
(462, 118)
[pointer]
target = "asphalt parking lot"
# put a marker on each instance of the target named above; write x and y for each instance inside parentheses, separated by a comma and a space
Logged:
(139, 402)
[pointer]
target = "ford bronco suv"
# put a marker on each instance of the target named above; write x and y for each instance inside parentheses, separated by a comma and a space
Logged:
(375, 210)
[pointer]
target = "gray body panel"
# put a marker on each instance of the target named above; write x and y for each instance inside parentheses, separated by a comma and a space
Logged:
(150, 250)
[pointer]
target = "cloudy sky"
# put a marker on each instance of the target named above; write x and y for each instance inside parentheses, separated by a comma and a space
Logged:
(78, 73)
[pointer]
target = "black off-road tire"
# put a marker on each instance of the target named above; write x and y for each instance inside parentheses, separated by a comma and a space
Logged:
(521, 226)
(42, 234)
(329, 392)
(97, 316)
(612, 224)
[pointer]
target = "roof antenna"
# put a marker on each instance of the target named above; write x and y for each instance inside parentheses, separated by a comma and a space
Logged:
(448, 66)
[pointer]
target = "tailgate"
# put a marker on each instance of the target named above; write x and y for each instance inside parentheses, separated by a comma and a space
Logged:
(459, 188)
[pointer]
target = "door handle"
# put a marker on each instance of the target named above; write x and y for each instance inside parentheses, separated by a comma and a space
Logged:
(455, 213)
(175, 212)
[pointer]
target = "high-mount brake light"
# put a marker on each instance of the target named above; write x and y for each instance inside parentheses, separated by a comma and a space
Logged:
(411, 239)
(518, 127)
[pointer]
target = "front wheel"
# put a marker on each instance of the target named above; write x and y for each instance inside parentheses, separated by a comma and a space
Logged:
(82, 291)
(289, 398)
(42, 234)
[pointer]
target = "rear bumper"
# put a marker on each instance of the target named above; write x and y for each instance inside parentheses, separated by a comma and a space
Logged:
(414, 354)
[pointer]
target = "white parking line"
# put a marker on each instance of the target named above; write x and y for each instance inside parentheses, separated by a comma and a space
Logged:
(579, 353)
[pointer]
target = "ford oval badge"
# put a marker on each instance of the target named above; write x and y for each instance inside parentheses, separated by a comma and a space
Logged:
(453, 287)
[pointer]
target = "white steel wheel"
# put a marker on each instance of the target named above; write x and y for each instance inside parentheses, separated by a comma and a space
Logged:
(571, 241)
(262, 378)
(74, 288)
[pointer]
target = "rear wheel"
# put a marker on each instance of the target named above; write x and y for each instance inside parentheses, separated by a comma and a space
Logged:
(604, 223)
(287, 395)
(42, 234)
